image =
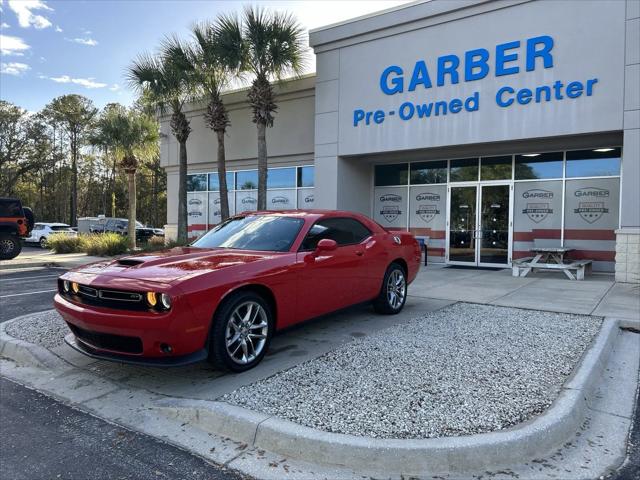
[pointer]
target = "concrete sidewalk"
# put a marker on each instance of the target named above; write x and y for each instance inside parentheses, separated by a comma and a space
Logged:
(49, 259)
(597, 295)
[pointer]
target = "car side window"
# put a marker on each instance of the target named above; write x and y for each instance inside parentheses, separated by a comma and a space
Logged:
(110, 224)
(345, 231)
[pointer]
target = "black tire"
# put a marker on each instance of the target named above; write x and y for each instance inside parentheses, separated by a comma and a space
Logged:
(386, 303)
(219, 355)
(10, 246)
(43, 243)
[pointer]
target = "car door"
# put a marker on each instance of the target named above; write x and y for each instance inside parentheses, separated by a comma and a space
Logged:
(328, 281)
(35, 233)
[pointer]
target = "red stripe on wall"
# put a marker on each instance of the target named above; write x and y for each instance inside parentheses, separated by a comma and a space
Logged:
(553, 234)
(589, 234)
(427, 232)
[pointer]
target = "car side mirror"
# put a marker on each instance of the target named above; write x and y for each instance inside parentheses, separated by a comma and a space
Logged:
(326, 245)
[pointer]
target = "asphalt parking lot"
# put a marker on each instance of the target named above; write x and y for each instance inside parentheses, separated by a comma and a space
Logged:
(25, 291)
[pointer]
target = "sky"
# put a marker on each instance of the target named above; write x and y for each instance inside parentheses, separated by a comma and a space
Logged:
(56, 47)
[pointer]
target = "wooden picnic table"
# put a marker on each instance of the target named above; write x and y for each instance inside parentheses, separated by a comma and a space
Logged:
(551, 258)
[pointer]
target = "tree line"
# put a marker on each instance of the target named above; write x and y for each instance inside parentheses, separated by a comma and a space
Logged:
(258, 46)
(65, 162)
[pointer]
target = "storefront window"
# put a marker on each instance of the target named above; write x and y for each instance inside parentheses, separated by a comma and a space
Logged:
(495, 168)
(214, 184)
(594, 163)
(386, 175)
(390, 206)
(281, 178)
(305, 176)
(464, 170)
(532, 166)
(247, 180)
(428, 172)
(197, 183)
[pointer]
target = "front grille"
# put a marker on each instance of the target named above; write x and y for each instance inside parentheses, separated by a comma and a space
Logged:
(107, 341)
(119, 296)
(98, 297)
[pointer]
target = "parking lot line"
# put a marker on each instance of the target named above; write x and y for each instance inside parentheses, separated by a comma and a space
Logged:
(29, 278)
(27, 293)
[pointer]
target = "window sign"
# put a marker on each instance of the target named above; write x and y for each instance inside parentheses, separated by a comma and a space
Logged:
(464, 170)
(214, 207)
(594, 163)
(214, 184)
(390, 206)
(246, 201)
(197, 182)
(537, 216)
(428, 216)
(531, 166)
(247, 180)
(281, 178)
(387, 175)
(495, 168)
(429, 172)
(306, 198)
(196, 214)
(591, 218)
(281, 199)
(305, 176)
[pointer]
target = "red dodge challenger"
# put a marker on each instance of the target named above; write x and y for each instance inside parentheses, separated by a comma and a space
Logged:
(223, 297)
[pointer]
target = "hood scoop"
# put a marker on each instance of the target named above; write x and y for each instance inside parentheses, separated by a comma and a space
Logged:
(129, 262)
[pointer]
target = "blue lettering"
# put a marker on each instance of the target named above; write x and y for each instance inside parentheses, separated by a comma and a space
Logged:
(441, 107)
(453, 62)
(420, 76)
(590, 84)
(406, 110)
(470, 63)
(357, 116)
(502, 58)
(574, 89)
(524, 96)
(500, 101)
(472, 104)
(455, 105)
(396, 82)
(424, 110)
(544, 53)
(378, 117)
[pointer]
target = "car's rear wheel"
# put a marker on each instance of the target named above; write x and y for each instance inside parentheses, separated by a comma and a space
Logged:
(393, 293)
(10, 246)
(241, 332)
(43, 242)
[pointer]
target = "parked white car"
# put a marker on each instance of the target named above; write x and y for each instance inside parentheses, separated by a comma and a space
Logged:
(42, 231)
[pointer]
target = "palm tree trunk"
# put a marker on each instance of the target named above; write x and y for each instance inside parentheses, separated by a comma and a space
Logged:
(182, 194)
(131, 177)
(262, 166)
(222, 177)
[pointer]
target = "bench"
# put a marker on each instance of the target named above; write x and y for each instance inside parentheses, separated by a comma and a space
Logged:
(575, 270)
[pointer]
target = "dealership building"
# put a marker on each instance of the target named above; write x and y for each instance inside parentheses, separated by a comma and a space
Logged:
(490, 127)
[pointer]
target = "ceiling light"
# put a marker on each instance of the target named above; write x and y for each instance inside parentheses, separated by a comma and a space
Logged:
(531, 155)
(603, 150)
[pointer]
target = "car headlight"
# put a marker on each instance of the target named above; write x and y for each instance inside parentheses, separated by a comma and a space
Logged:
(152, 299)
(165, 300)
(66, 286)
(75, 287)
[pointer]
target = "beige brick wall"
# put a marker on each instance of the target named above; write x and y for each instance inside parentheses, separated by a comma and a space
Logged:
(628, 255)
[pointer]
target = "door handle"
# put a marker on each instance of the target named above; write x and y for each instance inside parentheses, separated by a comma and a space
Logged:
(359, 253)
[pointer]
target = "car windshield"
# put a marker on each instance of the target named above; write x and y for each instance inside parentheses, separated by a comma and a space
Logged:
(253, 232)
(57, 228)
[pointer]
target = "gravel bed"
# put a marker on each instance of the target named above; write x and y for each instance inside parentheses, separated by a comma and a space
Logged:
(43, 328)
(461, 370)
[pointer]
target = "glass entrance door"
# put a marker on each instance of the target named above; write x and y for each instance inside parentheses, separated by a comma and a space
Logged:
(479, 225)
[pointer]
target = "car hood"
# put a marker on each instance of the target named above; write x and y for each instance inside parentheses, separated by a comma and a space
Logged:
(168, 266)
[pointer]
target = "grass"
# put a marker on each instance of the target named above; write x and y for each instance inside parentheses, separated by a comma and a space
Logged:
(98, 244)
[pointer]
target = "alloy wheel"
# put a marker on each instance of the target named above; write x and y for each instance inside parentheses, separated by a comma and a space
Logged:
(246, 332)
(396, 289)
(6, 246)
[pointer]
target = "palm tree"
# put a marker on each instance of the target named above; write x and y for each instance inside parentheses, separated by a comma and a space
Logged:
(164, 81)
(274, 48)
(132, 136)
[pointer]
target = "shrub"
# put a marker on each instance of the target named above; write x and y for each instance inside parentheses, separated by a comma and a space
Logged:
(61, 243)
(104, 244)
(158, 243)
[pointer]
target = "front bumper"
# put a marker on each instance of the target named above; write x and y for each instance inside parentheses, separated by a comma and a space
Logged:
(176, 361)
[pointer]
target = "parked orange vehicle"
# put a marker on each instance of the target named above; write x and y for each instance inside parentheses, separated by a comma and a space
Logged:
(16, 223)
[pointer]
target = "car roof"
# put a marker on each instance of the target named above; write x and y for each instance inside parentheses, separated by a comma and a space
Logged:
(53, 224)
(310, 213)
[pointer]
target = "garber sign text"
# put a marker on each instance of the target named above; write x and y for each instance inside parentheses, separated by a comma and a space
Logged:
(506, 59)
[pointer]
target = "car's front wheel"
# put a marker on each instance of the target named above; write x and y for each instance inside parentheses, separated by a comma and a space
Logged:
(43, 242)
(241, 332)
(10, 246)
(393, 293)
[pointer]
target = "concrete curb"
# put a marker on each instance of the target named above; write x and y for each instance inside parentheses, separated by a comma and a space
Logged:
(63, 260)
(411, 457)
(26, 353)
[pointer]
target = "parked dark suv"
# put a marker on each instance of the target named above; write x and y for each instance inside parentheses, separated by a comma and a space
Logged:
(121, 226)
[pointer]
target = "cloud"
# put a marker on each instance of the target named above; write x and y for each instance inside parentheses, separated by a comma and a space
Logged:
(26, 18)
(14, 68)
(115, 87)
(12, 45)
(84, 82)
(4, 25)
(58, 29)
(83, 41)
